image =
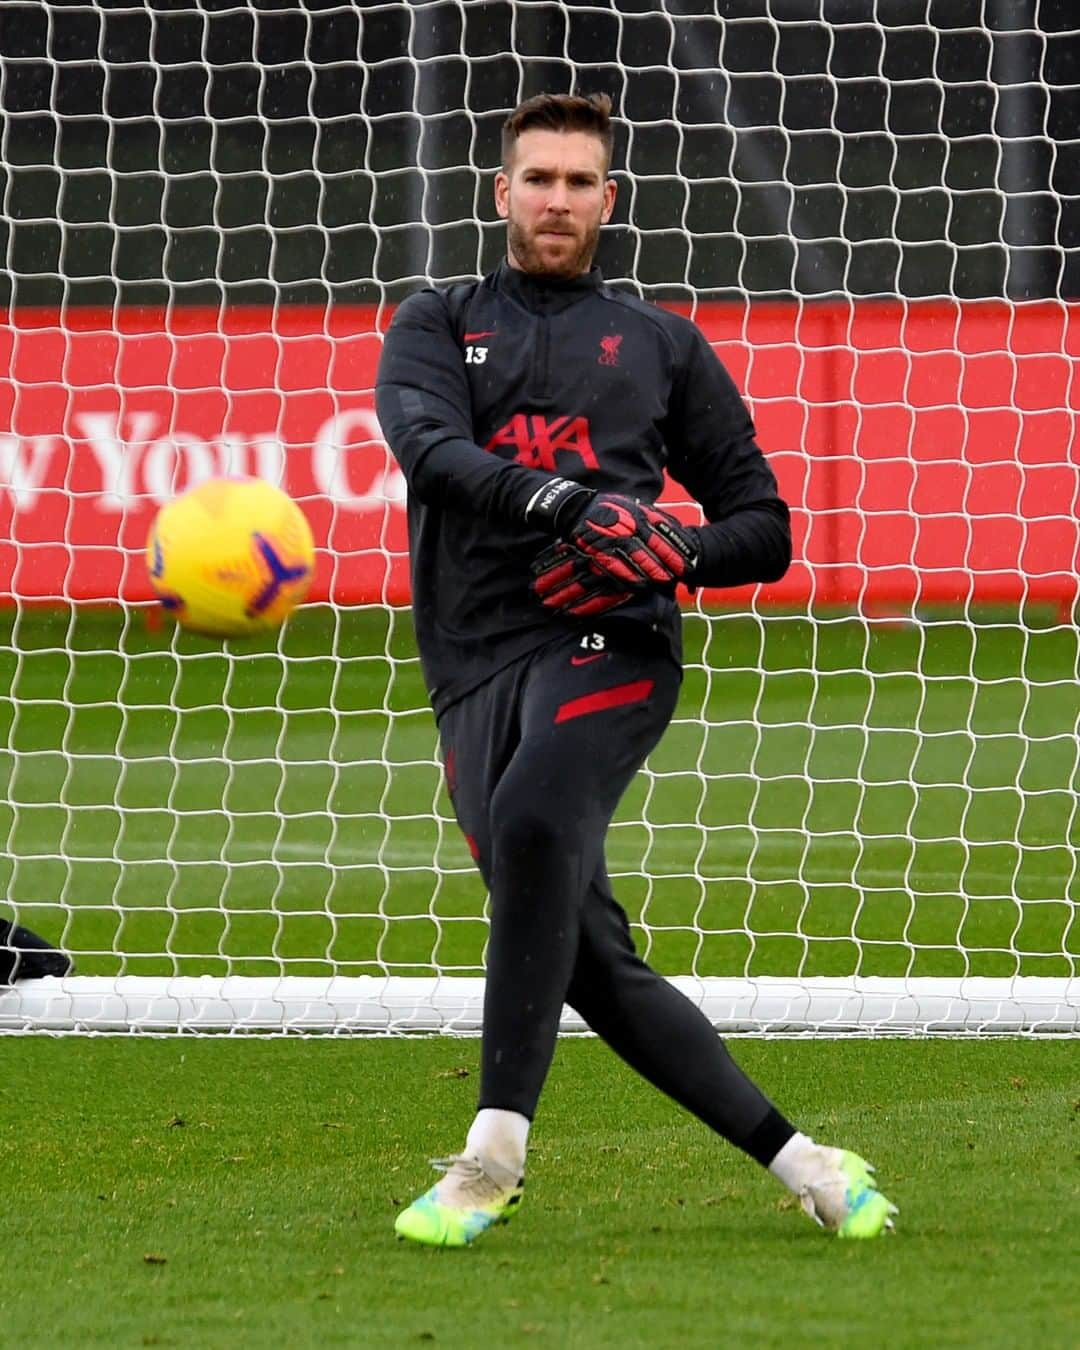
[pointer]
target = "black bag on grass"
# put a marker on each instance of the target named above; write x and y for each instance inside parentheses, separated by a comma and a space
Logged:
(25, 956)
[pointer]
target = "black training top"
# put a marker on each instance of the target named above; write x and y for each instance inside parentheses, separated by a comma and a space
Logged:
(488, 389)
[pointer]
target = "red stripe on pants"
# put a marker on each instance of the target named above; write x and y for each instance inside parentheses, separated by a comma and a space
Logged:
(615, 697)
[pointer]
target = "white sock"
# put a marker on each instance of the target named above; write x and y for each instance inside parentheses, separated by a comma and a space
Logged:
(793, 1164)
(500, 1137)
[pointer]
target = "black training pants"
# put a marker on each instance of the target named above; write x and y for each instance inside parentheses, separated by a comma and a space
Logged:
(536, 760)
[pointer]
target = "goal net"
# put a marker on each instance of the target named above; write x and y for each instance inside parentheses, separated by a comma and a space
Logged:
(864, 817)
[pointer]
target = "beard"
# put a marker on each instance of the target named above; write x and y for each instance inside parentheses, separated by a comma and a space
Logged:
(523, 246)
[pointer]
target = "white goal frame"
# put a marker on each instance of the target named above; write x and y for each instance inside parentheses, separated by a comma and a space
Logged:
(843, 356)
(343, 1005)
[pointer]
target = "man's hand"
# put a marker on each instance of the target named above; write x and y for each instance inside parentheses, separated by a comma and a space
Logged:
(566, 582)
(638, 545)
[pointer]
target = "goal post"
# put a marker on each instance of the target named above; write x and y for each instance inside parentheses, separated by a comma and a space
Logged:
(370, 1005)
(864, 818)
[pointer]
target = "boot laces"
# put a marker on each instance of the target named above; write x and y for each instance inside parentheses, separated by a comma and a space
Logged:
(466, 1178)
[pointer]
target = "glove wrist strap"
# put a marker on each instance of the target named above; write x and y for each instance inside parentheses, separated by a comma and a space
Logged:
(546, 504)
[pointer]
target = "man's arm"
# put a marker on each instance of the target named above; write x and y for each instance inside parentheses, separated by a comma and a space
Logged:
(714, 455)
(422, 400)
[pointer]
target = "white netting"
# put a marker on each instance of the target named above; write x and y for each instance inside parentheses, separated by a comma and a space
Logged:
(865, 813)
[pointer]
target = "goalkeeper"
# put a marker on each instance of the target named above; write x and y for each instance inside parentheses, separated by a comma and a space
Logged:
(533, 414)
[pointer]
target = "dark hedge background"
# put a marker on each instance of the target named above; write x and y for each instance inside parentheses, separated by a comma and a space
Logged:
(174, 151)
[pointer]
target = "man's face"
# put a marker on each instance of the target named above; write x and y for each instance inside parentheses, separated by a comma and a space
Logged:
(554, 198)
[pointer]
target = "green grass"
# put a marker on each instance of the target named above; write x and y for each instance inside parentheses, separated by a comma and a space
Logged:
(237, 1193)
(833, 798)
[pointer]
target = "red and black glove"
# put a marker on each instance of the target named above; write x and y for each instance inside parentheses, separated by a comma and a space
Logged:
(566, 582)
(639, 545)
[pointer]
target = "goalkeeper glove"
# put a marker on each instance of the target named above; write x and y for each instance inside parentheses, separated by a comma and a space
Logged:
(632, 542)
(566, 582)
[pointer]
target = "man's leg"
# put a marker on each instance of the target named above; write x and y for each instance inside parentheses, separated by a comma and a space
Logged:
(588, 719)
(536, 763)
(479, 735)
(660, 1033)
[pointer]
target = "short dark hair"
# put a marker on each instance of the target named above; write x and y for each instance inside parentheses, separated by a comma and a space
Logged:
(559, 112)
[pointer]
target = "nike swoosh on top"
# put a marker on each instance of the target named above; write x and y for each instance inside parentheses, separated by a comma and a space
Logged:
(472, 337)
(584, 660)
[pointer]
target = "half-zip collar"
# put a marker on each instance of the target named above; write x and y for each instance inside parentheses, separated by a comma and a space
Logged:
(543, 293)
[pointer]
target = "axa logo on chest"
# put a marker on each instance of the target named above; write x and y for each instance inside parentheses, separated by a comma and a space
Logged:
(538, 439)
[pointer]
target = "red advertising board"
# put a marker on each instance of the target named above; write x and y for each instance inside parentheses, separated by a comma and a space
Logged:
(929, 450)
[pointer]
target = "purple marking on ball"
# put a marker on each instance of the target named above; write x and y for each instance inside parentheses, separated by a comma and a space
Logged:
(280, 575)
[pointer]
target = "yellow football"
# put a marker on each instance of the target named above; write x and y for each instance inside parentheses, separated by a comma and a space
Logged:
(230, 556)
